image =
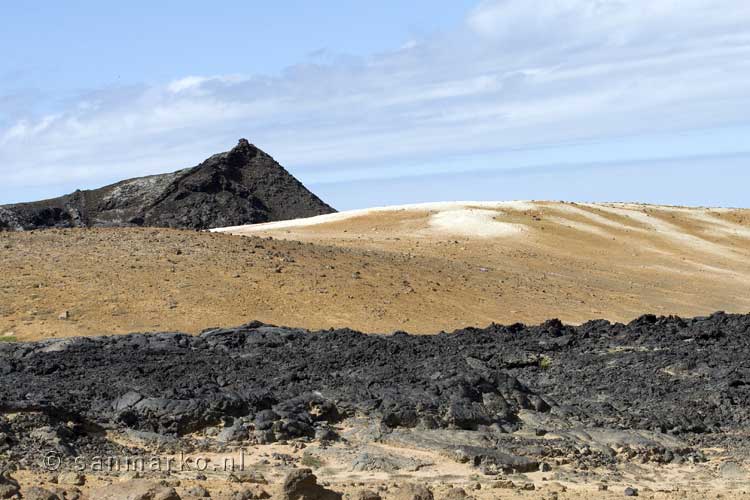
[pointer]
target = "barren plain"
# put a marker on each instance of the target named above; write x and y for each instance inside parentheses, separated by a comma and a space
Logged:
(423, 269)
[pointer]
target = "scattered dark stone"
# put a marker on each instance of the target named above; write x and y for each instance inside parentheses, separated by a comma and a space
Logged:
(326, 434)
(367, 495)
(74, 494)
(248, 494)
(247, 476)
(8, 486)
(456, 494)
(493, 462)
(503, 484)
(135, 490)
(631, 492)
(199, 492)
(369, 462)
(233, 434)
(37, 493)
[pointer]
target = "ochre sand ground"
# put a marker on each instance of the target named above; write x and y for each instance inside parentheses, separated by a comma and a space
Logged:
(422, 269)
(691, 482)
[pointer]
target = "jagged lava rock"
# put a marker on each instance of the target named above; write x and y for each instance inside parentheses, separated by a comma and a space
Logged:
(669, 379)
(241, 186)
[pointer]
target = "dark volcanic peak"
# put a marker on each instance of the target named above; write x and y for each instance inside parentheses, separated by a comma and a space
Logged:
(241, 186)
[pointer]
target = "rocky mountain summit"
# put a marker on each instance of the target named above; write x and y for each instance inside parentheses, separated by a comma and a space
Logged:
(241, 186)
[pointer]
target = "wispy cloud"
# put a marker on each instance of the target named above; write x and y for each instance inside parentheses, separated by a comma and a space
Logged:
(515, 74)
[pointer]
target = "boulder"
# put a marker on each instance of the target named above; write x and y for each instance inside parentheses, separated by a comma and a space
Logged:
(233, 434)
(371, 462)
(367, 495)
(411, 491)
(73, 478)
(198, 491)
(301, 484)
(456, 494)
(250, 494)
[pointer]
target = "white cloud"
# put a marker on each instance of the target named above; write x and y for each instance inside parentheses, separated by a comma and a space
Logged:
(609, 22)
(515, 74)
(187, 83)
(196, 83)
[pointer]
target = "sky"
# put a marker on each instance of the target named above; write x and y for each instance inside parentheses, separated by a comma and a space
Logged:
(389, 102)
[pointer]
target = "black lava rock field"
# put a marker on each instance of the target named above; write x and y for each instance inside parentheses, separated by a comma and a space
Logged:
(688, 378)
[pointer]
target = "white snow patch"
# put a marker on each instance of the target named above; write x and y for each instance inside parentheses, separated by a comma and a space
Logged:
(594, 217)
(580, 226)
(349, 214)
(667, 230)
(724, 228)
(718, 227)
(478, 218)
(473, 222)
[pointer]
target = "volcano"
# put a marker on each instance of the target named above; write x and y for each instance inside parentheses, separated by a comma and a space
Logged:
(242, 186)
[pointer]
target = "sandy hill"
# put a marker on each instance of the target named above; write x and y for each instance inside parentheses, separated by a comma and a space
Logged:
(240, 186)
(421, 268)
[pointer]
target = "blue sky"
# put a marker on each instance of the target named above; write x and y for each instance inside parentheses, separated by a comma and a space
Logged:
(374, 103)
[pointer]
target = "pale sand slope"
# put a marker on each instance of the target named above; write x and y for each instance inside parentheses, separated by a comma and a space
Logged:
(419, 268)
(575, 261)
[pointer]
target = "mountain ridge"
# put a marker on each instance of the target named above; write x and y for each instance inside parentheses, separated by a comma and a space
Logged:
(244, 185)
